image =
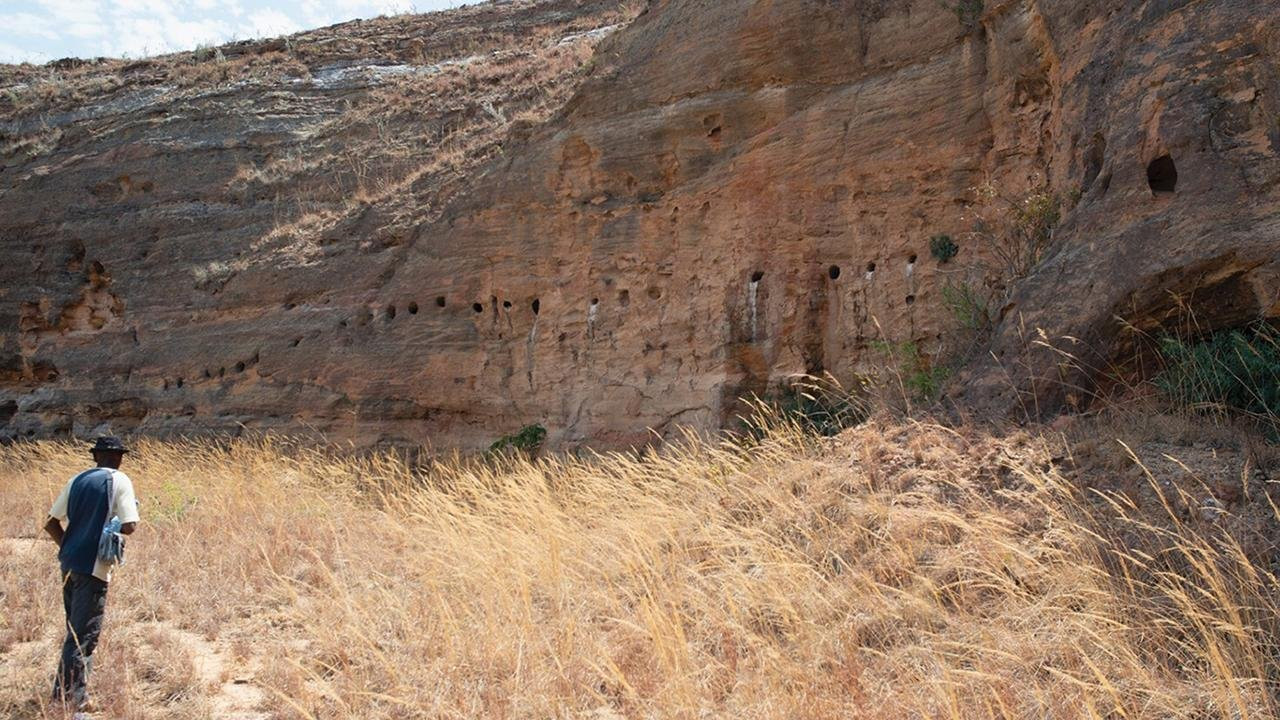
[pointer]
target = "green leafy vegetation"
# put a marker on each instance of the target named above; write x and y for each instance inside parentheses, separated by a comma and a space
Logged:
(943, 248)
(1234, 371)
(822, 406)
(1016, 231)
(1010, 235)
(920, 377)
(528, 439)
(814, 405)
(968, 12)
(206, 53)
(967, 306)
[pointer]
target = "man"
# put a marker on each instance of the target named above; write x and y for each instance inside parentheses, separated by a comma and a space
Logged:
(83, 505)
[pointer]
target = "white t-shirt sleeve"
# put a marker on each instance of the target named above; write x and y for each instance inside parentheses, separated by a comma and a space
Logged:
(126, 503)
(59, 509)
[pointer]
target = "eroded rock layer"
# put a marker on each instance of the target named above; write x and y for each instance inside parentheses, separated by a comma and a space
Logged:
(739, 191)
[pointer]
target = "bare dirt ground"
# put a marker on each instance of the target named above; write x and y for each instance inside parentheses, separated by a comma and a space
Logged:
(235, 697)
(220, 681)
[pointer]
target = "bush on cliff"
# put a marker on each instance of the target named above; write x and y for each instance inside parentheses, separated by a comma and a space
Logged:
(1231, 371)
(527, 439)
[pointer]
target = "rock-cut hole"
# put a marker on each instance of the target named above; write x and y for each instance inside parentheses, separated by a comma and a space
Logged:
(477, 307)
(537, 306)
(833, 272)
(440, 301)
(391, 312)
(413, 308)
(1162, 175)
(757, 276)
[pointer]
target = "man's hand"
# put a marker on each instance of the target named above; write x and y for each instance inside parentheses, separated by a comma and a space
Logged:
(54, 528)
(128, 528)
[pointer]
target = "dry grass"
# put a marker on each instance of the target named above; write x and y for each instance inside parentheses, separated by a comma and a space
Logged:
(900, 570)
(409, 145)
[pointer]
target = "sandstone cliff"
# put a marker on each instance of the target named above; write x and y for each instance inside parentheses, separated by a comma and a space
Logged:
(738, 191)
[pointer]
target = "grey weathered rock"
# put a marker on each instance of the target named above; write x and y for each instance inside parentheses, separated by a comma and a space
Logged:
(1211, 510)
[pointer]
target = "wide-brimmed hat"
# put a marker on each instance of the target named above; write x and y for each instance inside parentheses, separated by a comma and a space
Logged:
(107, 443)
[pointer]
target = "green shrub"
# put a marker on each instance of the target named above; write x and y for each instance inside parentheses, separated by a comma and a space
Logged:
(921, 379)
(968, 12)
(206, 53)
(817, 405)
(529, 439)
(969, 308)
(1015, 232)
(1231, 371)
(943, 248)
(1037, 215)
(822, 407)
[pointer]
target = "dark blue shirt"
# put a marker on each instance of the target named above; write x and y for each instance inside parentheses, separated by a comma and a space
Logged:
(87, 506)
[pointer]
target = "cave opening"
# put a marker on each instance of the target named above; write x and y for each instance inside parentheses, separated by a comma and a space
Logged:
(1162, 175)
(477, 307)
(391, 312)
(440, 301)
(1094, 160)
(757, 276)
(833, 272)
(413, 308)
(537, 306)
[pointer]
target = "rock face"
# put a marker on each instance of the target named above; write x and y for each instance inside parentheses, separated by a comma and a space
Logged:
(739, 191)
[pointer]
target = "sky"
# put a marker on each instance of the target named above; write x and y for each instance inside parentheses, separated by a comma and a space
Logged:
(38, 31)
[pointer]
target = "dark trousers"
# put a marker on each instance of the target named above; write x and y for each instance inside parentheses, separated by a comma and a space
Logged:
(84, 598)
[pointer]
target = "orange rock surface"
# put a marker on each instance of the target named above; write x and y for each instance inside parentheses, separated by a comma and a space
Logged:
(737, 192)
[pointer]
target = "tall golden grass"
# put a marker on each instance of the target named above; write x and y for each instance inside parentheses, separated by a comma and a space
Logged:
(899, 570)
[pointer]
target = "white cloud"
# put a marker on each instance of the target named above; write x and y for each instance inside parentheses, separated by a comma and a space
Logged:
(72, 12)
(25, 23)
(14, 54)
(268, 23)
